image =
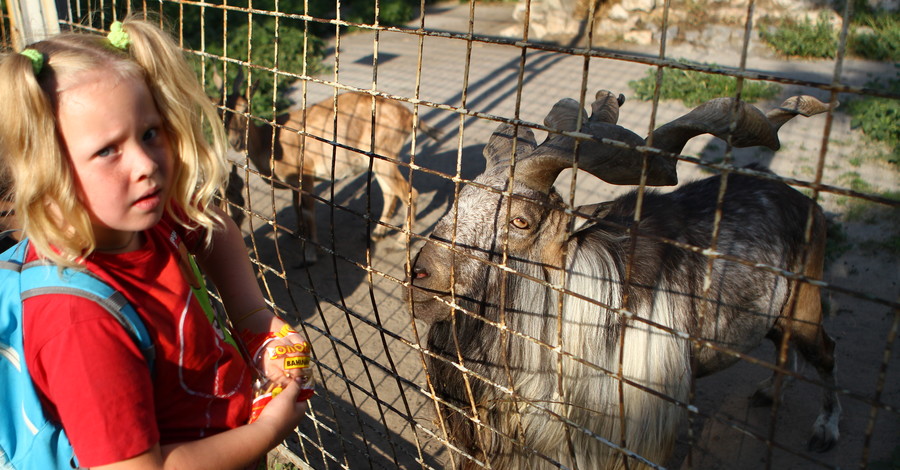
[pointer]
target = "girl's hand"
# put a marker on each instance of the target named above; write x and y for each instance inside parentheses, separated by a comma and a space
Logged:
(285, 358)
(279, 354)
(284, 412)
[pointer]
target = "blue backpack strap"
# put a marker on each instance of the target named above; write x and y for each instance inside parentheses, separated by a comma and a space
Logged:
(42, 277)
(27, 437)
(39, 278)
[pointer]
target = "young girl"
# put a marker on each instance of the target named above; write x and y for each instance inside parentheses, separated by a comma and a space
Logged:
(112, 173)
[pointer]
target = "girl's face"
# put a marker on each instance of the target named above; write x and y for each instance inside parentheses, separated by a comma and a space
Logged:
(120, 154)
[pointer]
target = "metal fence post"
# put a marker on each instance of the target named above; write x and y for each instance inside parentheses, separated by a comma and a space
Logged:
(31, 21)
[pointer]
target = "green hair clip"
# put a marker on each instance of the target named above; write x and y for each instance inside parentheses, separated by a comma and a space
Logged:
(117, 36)
(37, 60)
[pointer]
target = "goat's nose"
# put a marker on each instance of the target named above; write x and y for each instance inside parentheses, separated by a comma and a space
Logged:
(419, 273)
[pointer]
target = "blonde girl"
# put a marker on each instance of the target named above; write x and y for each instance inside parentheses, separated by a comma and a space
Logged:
(115, 153)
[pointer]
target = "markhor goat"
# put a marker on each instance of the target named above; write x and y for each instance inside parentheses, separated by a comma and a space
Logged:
(574, 338)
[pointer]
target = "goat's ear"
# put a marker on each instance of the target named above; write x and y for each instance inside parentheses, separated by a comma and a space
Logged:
(252, 88)
(238, 82)
(589, 215)
(218, 82)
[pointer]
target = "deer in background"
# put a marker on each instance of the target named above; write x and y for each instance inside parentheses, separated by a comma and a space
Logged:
(286, 151)
(533, 373)
(232, 201)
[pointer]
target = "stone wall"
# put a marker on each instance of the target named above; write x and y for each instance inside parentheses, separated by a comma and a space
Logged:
(640, 21)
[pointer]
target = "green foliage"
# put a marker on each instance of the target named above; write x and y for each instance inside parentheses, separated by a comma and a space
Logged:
(391, 12)
(260, 51)
(877, 117)
(802, 38)
(872, 35)
(694, 88)
(876, 36)
(854, 181)
(252, 39)
(300, 43)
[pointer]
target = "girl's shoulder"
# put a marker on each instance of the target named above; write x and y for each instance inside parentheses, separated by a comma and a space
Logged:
(177, 233)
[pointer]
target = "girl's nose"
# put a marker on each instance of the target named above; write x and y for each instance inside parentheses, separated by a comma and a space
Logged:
(144, 162)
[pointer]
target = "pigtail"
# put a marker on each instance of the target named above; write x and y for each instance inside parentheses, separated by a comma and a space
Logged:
(32, 154)
(43, 182)
(14, 69)
(21, 97)
(195, 129)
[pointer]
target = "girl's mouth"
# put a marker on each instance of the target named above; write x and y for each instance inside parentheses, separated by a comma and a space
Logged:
(149, 201)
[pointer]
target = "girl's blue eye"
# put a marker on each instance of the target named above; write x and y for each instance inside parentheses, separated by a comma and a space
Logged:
(151, 134)
(106, 152)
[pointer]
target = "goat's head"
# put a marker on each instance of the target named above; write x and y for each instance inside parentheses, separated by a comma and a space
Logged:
(234, 107)
(515, 210)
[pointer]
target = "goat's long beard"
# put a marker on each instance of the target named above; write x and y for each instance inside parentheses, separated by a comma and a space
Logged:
(551, 377)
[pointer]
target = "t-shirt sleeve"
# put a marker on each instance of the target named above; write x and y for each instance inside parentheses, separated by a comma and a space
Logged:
(92, 378)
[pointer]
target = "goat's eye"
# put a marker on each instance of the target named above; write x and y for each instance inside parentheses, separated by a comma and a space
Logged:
(520, 223)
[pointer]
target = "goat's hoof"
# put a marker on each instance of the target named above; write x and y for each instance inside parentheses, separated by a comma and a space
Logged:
(306, 262)
(822, 440)
(825, 432)
(761, 398)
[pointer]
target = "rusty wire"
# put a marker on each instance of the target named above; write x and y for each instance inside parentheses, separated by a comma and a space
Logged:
(370, 410)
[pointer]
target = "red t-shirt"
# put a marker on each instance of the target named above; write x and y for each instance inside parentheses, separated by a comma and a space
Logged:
(93, 378)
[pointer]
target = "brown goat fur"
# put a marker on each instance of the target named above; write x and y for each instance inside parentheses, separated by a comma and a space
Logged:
(330, 140)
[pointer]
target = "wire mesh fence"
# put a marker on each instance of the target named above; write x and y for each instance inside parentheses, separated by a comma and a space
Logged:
(527, 352)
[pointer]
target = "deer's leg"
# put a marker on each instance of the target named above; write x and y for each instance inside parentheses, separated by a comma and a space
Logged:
(395, 189)
(305, 208)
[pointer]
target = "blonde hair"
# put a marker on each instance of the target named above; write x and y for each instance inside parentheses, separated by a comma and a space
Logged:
(43, 182)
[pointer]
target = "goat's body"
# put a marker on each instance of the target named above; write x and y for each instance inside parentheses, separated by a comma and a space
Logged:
(763, 223)
(298, 159)
(354, 131)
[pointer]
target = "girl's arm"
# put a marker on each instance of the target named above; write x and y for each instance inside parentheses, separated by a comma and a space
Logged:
(228, 267)
(237, 449)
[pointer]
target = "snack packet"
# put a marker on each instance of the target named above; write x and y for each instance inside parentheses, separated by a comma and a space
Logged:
(291, 357)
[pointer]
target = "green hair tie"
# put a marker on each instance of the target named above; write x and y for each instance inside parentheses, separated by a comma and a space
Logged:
(117, 36)
(37, 60)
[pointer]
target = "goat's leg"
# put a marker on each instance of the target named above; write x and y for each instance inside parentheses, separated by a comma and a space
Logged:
(234, 194)
(395, 189)
(815, 345)
(825, 430)
(765, 391)
(305, 209)
(817, 348)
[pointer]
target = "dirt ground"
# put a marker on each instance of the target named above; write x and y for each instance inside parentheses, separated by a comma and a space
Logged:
(372, 408)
